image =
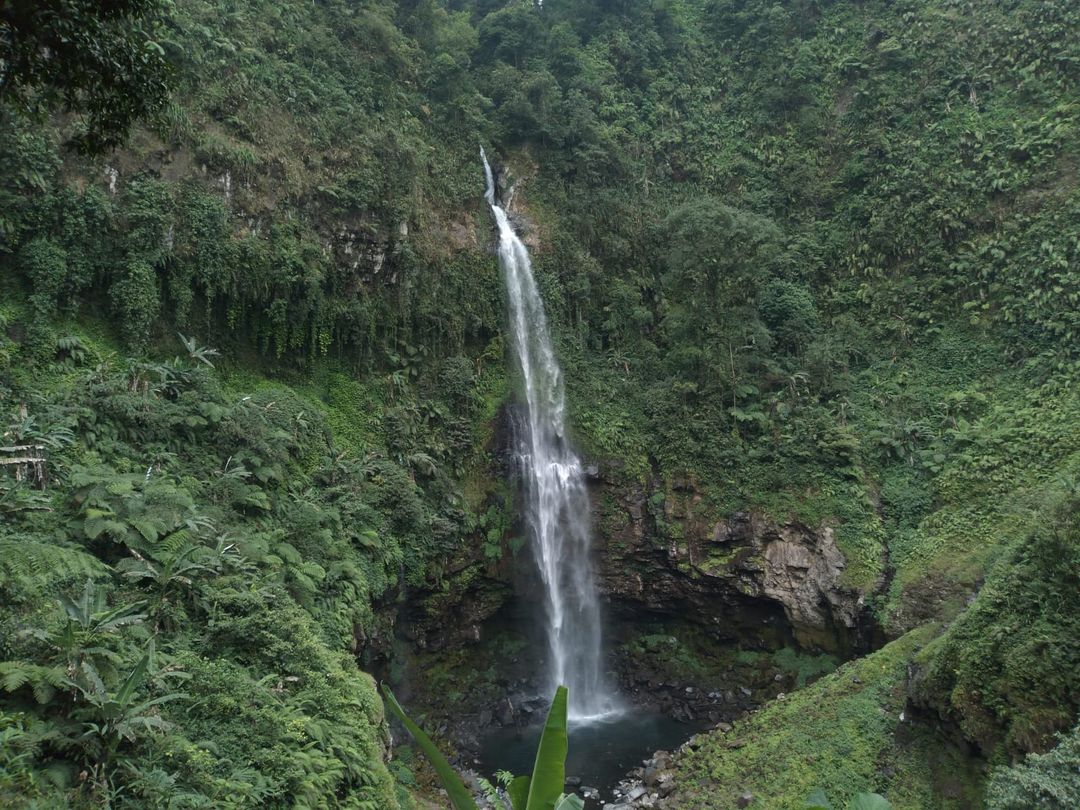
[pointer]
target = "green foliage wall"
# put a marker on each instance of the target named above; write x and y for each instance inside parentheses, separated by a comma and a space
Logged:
(225, 541)
(820, 258)
(1048, 780)
(1007, 666)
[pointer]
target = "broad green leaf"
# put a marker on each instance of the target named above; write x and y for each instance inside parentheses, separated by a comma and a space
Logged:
(96, 684)
(869, 801)
(148, 704)
(549, 772)
(518, 791)
(455, 788)
(118, 617)
(133, 681)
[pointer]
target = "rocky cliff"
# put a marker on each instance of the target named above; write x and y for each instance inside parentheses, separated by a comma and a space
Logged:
(661, 553)
(744, 576)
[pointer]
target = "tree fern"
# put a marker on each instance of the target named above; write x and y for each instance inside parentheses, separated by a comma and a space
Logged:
(43, 681)
(30, 566)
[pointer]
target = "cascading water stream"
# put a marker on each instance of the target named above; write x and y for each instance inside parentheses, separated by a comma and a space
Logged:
(556, 503)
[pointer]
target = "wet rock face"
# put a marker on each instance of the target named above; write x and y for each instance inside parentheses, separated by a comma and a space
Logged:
(470, 600)
(746, 577)
(360, 248)
(802, 569)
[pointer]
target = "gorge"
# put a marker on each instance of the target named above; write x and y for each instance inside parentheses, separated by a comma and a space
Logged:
(752, 418)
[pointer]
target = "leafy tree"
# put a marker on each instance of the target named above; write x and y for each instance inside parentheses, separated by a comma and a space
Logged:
(97, 58)
(788, 309)
(1050, 780)
(81, 640)
(173, 573)
(112, 718)
(716, 260)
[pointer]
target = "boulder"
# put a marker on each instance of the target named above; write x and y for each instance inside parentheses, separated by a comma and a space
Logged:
(666, 787)
(504, 712)
(662, 760)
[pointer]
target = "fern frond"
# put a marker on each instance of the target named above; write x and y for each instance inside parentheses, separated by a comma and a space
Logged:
(31, 565)
(43, 681)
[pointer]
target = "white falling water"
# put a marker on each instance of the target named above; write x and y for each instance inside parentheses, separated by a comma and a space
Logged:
(557, 506)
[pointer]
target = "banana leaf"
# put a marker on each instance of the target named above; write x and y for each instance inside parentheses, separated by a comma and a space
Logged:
(549, 772)
(460, 797)
(518, 791)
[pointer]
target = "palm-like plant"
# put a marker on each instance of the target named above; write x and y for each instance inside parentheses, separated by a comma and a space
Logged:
(23, 428)
(20, 496)
(166, 577)
(80, 654)
(196, 352)
(115, 716)
(87, 624)
(111, 718)
(151, 516)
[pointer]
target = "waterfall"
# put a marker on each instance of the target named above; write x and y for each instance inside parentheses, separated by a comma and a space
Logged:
(556, 503)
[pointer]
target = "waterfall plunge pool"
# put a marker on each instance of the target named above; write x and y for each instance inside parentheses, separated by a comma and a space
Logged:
(602, 752)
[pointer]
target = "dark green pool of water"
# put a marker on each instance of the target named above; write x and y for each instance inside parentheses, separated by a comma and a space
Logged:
(601, 753)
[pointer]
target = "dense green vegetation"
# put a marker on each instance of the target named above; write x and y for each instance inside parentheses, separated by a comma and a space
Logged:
(99, 60)
(819, 258)
(220, 547)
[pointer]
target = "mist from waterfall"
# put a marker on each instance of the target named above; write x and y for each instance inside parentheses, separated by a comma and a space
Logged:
(556, 503)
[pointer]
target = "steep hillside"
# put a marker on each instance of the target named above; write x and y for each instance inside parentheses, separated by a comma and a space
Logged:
(813, 269)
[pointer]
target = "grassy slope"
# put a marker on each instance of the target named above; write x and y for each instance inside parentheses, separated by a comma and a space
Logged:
(836, 734)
